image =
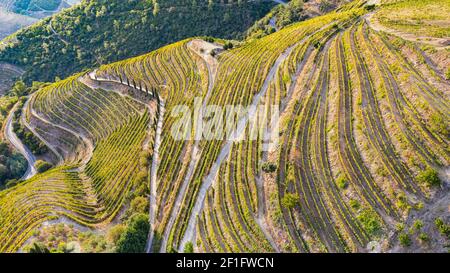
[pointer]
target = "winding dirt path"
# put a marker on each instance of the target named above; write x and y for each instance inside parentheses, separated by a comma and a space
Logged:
(17, 143)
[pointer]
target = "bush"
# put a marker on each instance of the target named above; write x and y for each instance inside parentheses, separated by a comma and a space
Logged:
(115, 233)
(189, 248)
(424, 237)
(42, 166)
(269, 167)
(405, 240)
(369, 221)
(228, 45)
(134, 239)
(443, 228)
(290, 200)
(429, 177)
(354, 204)
(342, 182)
(12, 166)
(38, 248)
(418, 225)
(139, 205)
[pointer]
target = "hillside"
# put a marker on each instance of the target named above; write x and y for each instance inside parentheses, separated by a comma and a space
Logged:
(101, 31)
(339, 142)
(17, 14)
(292, 12)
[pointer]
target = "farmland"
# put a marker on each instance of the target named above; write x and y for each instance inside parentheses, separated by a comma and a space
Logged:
(358, 160)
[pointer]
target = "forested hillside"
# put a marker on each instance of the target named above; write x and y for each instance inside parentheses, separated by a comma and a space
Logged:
(102, 31)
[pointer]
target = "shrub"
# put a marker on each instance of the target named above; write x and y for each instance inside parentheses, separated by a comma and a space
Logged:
(424, 237)
(418, 225)
(354, 204)
(429, 177)
(443, 228)
(342, 182)
(228, 45)
(189, 248)
(269, 167)
(139, 205)
(405, 240)
(369, 221)
(115, 233)
(290, 200)
(42, 166)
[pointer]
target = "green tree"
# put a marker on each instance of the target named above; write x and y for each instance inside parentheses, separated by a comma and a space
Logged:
(134, 238)
(19, 89)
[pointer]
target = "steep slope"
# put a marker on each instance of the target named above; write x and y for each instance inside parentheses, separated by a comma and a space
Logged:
(357, 157)
(102, 31)
(350, 191)
(295, 11)
(17, 14)
(91, 187)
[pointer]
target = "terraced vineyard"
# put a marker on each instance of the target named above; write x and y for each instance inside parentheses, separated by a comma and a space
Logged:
(363, 125)
(90, 190)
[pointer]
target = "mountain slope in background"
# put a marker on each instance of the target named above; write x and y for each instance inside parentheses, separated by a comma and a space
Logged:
(17, 14)
(101, 31)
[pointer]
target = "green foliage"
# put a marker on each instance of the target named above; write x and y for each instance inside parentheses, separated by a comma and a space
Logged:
(354, 204)
(103, 31)
(284, 14)
(115, 233)
(418, 225)
(38, 248)
(369, 221)
(424, 237)
(42, 166)
(139, 204)
(447, 74)
(439, 125)
(189, 248)
(342, 182)
(228, 45)
(19, 89)
(404, 239)
(429, 177)
(269, 167)
(443, 228)
(134, 238)
(12, 166)
(290, 200)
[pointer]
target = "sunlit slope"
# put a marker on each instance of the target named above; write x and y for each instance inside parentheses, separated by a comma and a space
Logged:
(361, 120)
(353, 141)
(421, 18)
(90, 193)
